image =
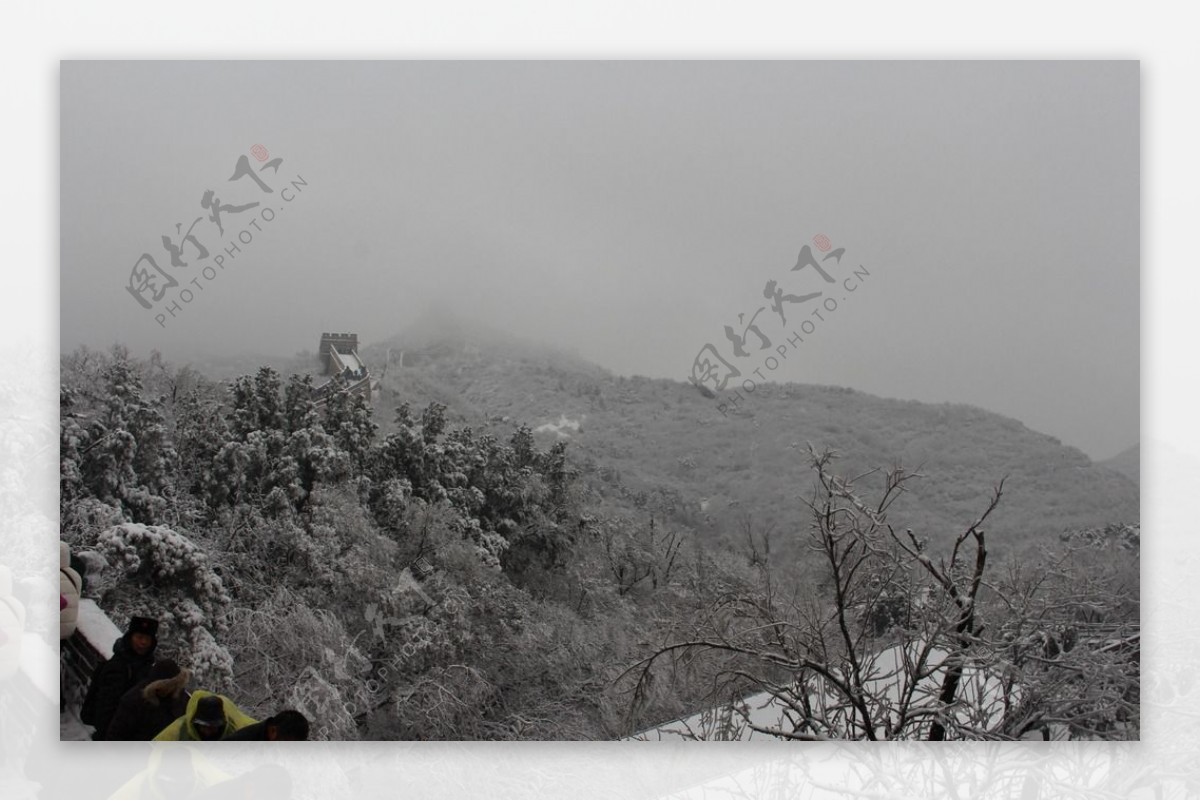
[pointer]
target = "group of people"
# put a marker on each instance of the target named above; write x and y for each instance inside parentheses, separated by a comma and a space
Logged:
(134, 696)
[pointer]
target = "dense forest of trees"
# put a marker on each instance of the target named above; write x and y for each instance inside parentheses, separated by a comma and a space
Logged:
(659, 445)
(440, 582)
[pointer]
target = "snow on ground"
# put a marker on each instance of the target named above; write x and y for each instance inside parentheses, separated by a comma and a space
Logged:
(979, 689)
(95, 627)
(561, 427)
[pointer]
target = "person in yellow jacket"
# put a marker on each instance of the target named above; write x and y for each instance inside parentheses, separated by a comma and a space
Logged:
(209, 717)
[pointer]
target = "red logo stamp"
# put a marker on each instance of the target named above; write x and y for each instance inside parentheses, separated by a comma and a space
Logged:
(822, 242)
(259, 152)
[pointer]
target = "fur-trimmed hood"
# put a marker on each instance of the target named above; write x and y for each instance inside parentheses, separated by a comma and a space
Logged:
(165, 688)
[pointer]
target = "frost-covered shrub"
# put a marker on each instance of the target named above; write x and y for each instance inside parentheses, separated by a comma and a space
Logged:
(322, 703)
(210, 662)
(161, 573)
(293, 654)
(82, 518)
(445, 702)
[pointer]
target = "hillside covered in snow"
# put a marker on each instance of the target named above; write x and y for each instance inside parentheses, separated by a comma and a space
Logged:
(502, 541)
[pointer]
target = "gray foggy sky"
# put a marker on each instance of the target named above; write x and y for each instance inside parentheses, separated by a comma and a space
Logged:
(630, 211)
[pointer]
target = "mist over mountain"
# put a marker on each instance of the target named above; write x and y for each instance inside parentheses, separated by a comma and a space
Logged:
(713, 469)
(661, 446)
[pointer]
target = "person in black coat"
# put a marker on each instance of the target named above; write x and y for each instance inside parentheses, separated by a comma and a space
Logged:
(286, 725)
(133, 656)
(150, 705)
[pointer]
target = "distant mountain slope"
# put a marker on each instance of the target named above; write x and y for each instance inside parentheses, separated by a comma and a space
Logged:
(659, 445)
(1128, 463)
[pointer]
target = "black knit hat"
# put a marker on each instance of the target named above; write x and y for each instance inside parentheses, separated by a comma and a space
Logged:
(210, 711)
(143, 625)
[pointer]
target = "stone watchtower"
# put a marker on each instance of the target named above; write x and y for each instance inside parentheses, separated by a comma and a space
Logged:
(339, 358)
(336, 343)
